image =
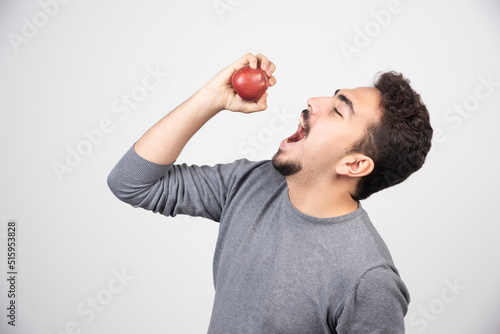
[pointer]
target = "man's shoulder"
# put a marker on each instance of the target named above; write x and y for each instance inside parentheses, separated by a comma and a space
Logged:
(261, 173)
(244, 163)
(244, 167)
(362, 246)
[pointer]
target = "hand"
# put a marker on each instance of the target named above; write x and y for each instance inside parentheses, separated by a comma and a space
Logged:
(223, 92)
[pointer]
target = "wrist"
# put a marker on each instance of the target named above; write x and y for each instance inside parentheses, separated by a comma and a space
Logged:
(210, 99)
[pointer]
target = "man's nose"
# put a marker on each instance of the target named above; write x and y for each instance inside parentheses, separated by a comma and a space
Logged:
(314, 105)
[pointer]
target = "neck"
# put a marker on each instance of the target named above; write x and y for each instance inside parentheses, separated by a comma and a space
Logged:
(320, 198)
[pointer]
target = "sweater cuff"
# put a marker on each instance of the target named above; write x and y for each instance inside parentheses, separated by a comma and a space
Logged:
(134, 167)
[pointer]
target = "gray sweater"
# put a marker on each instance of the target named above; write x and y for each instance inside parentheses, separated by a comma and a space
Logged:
(276, 269)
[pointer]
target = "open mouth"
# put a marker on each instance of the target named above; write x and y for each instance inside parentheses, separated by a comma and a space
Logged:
(298, 135)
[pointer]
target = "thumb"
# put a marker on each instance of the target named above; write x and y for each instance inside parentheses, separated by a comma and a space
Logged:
(260, 105)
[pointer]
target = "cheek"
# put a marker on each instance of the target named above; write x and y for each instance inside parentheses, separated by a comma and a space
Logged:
(353, 137)
(333, 142)
(321, 148)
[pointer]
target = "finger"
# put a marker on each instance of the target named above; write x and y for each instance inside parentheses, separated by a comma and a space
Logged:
(262, 102)
(252, 60)
(247, 60)
(251, 107)
(270, 69)
(267, 66)
(264, 62)
(272, 81)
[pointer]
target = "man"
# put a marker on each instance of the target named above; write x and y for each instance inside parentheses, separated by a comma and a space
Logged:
(296, 252)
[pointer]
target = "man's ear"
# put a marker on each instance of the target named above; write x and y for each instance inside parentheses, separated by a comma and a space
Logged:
(355, 165)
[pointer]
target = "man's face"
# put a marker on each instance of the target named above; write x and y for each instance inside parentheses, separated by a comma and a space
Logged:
(329, 128)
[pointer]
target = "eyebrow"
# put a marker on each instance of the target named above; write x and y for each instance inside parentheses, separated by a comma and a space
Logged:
(344, 99)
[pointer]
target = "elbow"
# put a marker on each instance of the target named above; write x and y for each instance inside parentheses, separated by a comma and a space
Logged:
(139, 183)
(116, 185)
(113, 184)
(136, 194)
(123, 189)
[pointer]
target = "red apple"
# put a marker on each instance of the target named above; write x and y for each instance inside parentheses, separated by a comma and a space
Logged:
(249, 83)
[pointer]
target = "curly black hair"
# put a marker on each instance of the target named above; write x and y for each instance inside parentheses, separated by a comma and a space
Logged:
(399, 143)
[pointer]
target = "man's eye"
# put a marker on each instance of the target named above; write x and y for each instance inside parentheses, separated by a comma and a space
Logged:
(335, 109)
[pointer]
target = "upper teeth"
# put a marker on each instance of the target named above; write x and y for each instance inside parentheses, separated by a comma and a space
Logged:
(301, 121)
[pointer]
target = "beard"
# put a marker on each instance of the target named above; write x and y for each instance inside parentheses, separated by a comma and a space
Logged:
(285, 168)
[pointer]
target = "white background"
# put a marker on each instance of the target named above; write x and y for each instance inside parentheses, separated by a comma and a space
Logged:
(61, 79)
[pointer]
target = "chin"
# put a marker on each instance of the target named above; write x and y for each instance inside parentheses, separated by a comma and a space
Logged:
(286, 168)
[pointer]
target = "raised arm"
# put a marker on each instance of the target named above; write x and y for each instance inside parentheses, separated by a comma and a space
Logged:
(145, 176)
(163, 143)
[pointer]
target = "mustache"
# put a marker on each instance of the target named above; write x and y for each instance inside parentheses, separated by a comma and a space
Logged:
(307, 127)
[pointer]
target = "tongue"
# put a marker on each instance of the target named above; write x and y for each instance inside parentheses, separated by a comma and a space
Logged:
(298, 135)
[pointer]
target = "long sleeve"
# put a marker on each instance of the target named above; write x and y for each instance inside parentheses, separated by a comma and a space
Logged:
(376, 305)
(175, 189)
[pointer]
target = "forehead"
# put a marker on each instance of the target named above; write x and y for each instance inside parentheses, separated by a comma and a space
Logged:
(365, 100)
